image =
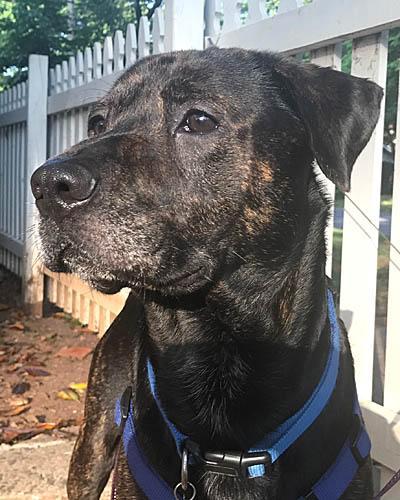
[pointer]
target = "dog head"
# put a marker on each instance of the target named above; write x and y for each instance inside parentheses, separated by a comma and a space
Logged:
(196, 160)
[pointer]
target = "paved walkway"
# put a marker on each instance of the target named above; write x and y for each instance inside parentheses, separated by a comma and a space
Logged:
(36, 470)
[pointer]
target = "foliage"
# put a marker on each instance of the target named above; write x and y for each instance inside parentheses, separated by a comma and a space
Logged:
(58, 28)
(28, 26)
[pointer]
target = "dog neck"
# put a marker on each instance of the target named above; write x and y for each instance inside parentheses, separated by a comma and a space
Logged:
(234, 367)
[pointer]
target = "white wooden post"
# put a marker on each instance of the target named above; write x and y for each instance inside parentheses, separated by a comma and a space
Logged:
(36, 154)
(330, 56)
(184, 24)
(360, 237)
(392, 371)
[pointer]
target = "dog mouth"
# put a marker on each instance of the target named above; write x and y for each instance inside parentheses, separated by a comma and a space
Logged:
(107, 286)
(177, 283)
(184, 282)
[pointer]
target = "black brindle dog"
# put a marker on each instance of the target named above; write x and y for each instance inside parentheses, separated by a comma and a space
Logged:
(196, 189)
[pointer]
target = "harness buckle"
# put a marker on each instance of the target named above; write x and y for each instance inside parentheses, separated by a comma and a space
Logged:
(227, 463)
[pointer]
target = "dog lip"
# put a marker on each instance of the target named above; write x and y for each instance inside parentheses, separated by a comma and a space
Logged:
(186, 279)
(107, 286)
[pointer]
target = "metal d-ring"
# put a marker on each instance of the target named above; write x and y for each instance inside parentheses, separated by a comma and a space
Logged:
(185, 484)
(185, 492)
(184, 469)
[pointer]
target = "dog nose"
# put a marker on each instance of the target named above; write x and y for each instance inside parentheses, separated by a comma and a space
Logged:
(60, 184)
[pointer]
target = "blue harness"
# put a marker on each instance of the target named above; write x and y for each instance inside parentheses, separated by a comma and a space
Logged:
(253, 463)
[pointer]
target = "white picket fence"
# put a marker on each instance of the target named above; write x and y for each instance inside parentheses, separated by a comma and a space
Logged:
(319, 29)
(12, 186)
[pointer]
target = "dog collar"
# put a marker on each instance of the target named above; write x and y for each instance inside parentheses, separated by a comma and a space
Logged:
(254, 462)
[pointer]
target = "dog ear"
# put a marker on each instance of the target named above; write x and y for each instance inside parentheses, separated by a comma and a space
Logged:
(339, 112)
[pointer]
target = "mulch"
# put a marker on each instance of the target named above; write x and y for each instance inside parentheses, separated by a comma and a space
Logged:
(44, 365)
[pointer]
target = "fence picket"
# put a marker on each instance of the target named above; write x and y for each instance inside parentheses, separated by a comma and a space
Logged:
(58, 85)
(108, 56)
(144, 37)
(14, 97)
(213, 18)
(97, 61)
(130, 45)
(88, 65)
(158, 31)
(71, 72)
(232, 12)
(80, 69)
(119, 50)
(65, 76)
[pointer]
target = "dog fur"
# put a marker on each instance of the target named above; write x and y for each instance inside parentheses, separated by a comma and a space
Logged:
(220, 235)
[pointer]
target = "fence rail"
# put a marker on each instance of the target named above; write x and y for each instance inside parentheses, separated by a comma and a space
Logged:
(317, 28)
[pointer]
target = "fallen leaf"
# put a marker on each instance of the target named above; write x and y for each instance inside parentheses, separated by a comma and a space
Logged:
(21, 387)
(76, 352)
(34, 371)
(68, 394)
(78, 386)
(4, 307)
(18, 325)
(10, 435)
(14, 367)
(17, 401)
(13, 411)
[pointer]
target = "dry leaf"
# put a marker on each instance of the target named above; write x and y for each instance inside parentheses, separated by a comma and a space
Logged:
(18, 325)
(17, 401)
(78, 386)
(4, 307)
(12, 412)
(68, 394)
(12, 434)
(34, 371)
(21, 387)
(76, 352)
(14, 367)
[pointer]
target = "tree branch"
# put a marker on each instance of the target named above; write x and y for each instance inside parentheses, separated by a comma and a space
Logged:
(157, 3)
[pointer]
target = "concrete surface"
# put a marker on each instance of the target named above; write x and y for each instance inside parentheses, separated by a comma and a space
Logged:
(36, 470)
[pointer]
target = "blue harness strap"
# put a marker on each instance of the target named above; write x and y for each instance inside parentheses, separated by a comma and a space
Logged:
(278, 442)
(149, 481)
(330, 486)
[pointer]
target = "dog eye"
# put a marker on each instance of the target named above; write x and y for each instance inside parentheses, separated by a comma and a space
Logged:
(96, 125)
(198, 122)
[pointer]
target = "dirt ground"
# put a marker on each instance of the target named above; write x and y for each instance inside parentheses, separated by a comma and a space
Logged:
(44, 365)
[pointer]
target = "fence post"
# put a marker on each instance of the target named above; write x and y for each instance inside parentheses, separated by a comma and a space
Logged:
(32, 282)
(184, 24)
